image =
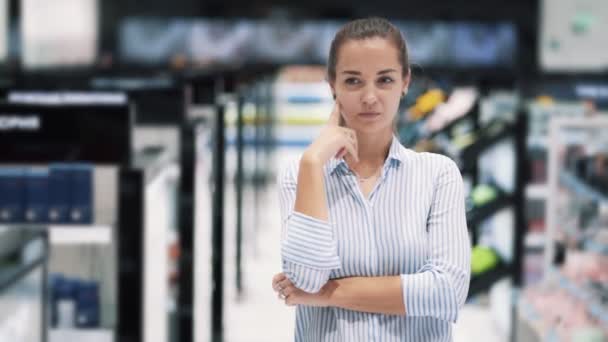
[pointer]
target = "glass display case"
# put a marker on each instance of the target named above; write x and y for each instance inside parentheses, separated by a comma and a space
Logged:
(571, 304)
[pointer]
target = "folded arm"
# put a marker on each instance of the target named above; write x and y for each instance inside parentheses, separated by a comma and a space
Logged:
(308, 247)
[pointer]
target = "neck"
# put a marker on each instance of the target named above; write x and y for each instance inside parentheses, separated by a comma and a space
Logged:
(373, 150)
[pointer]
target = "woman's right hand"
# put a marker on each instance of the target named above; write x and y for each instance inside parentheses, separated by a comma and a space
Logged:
(334, 141)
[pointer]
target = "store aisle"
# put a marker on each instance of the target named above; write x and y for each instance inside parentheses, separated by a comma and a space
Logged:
(259, 316)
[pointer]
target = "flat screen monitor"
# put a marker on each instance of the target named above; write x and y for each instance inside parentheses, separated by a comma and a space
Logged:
(573, 36)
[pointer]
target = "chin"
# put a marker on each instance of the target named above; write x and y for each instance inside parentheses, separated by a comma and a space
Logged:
(373, 127)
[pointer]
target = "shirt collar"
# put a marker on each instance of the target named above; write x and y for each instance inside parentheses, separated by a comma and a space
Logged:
(396, 153)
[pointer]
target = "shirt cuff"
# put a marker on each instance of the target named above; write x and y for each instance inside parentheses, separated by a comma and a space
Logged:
(429, 294)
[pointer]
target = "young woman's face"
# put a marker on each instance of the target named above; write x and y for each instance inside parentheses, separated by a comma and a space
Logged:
(369, 84)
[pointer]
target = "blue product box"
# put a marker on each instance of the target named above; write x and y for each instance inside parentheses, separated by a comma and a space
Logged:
(59, 193)
(36, 195)
(81, 196)
(12, 195)
(87, 305)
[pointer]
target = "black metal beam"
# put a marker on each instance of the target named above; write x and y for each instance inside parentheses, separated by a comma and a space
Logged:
(239, 194)
(217, 296)
(130, 256)
(185, 295)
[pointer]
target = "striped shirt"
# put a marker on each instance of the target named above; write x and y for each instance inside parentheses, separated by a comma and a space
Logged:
(412, 225)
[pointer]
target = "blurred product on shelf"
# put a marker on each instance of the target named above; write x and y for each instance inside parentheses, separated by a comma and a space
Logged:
(36, 195)
(432, 113)
(61, 194)
(302, 74)
(574, 299)
(426, 103)
(74, 302)
(483, 259)
(459, 103)
(12, 195)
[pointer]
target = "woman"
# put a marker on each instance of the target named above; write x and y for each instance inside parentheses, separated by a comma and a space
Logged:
(375, 245)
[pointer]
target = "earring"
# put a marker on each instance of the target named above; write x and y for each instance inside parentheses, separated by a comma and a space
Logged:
(334, 95)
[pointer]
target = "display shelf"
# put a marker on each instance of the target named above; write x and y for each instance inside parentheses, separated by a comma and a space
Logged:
(529, 315)
(71, 234)
(537, 191)
(79, 235)
(482, 282)
(585, 295)
(595, 247)
(470, 116)
(539, 142)
(478, 215)
(586, 243)
(535, 240)
(81, 335)
(581, 188)
(473, 151)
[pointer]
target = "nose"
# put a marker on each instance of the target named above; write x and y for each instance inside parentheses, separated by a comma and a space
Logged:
(369, 97)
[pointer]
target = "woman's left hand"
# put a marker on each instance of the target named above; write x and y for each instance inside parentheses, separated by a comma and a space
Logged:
(294, 296)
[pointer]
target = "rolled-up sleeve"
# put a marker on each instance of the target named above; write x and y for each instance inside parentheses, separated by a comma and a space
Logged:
(439, 289)
(308, 247)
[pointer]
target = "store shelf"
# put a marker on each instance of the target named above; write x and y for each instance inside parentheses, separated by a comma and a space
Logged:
(530, 316)
(482, 282)
(81, 335)
(581, 188)
(595, 309)
(537, 191)
(70, 234)
(539, 142)
(79, 235)
(596, 247)
(485, 142)
(478, 215)
(587, 243)
(535, 241)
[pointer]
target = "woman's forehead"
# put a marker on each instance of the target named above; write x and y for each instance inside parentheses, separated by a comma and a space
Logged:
(368, 55)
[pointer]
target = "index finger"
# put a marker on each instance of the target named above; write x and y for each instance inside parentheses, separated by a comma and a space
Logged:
(278, 277)
(334, 118)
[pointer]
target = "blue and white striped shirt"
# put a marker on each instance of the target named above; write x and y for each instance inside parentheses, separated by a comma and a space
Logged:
(412, 224)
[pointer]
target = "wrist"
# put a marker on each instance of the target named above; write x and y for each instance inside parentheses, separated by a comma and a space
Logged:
(312, 159)
(332, 293)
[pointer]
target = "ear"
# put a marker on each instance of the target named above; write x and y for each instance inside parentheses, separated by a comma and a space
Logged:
(333, 88)
(406, 80)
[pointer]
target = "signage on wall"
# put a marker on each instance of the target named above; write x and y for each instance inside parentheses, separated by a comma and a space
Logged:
(10, 122)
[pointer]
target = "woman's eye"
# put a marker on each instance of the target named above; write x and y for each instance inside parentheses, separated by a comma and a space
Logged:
(385, 80)
(352, 81)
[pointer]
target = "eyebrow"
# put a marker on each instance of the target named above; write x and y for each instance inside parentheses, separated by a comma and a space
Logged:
(357, 73)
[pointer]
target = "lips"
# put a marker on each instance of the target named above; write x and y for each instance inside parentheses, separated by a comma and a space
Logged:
(368, 115)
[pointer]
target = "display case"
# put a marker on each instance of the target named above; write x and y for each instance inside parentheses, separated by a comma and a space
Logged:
(66, 171)
(23, 271)
(572, 301)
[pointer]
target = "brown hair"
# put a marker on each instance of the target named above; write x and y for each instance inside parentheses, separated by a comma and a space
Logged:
(364, 29)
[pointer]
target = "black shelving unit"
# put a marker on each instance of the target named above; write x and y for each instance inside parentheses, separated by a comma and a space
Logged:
(487, 136)
(515, 200)
(204, 90)
(100, 135)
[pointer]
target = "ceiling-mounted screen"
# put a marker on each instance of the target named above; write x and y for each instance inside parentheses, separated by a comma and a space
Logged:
(206, 41)
(59, 33)
(4, 30)
(573, 35)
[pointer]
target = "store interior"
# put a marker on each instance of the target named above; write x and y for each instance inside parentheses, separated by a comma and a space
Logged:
(141, 144)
